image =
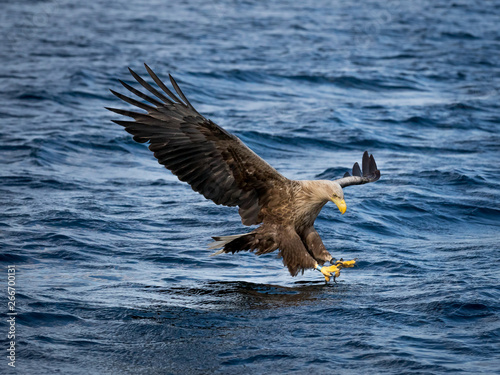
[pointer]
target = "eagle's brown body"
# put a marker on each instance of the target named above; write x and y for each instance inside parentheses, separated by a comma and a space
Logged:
(288, 225)
(221, 168)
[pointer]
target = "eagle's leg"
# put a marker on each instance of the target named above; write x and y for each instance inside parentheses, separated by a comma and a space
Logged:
(315, 246)
(291, 248)
(317, 249)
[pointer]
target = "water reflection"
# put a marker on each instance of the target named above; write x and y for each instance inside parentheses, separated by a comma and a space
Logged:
(235, 295)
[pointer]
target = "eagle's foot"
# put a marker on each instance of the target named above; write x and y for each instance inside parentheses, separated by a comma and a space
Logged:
(344, 263)
(330, 271)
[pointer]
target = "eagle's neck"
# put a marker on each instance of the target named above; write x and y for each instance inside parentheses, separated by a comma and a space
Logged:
(309, 201)
(317, 191)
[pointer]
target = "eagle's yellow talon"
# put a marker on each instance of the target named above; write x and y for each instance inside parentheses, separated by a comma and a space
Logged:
(334, 270)
(346, 264)
(328, 271)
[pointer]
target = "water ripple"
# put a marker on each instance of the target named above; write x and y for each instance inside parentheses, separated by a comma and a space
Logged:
(113, 274)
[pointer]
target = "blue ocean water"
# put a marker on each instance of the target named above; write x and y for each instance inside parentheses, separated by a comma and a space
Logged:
(113, 275)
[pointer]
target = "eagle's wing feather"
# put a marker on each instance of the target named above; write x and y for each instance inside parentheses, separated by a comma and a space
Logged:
(214, 162)
(369, 173)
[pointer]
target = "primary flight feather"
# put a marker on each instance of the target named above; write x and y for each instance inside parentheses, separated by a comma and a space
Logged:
(218, 165)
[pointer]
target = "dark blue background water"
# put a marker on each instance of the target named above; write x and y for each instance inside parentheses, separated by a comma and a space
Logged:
(113, 273)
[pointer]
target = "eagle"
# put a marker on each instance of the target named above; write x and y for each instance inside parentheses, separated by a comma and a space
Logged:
(218, 165)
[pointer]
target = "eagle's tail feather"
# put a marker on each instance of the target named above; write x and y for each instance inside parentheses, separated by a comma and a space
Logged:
(220, 241)
(262, 243)
(233, 243)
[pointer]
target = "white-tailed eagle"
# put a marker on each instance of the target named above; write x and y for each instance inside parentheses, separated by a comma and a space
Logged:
(218, 165)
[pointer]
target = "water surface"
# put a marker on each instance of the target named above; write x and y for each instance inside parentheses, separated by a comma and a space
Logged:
(113, 273)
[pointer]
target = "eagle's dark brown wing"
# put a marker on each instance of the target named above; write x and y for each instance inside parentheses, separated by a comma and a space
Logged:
(214, 162)
(368, 173)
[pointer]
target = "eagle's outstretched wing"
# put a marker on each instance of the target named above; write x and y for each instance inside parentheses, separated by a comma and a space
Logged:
(214, 162)
(368, 173)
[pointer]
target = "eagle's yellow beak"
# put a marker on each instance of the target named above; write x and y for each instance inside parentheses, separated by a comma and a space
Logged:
(340, 204)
